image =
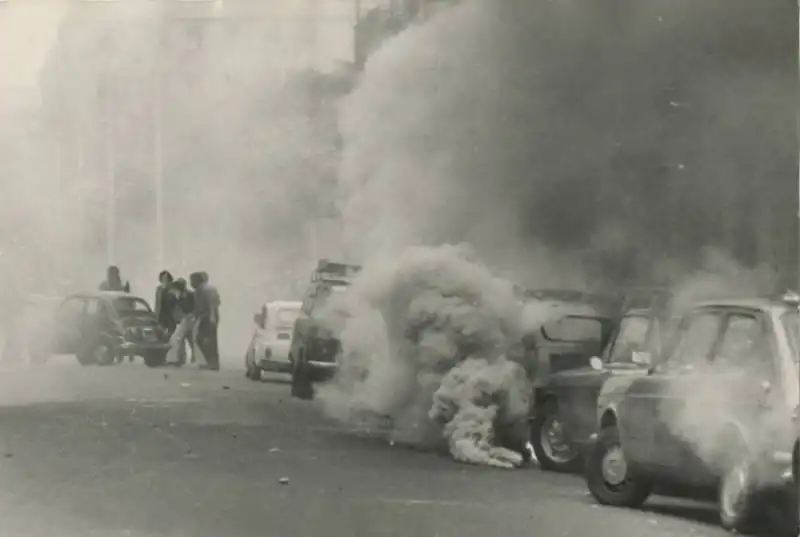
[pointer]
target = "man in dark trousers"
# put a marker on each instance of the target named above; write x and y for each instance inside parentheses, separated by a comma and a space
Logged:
(206, 314)
(113, 281)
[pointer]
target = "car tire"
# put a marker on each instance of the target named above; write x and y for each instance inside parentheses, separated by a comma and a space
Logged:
(252, 371)
(626, 490)
(155, 359)
(738, 500)
(543, 444)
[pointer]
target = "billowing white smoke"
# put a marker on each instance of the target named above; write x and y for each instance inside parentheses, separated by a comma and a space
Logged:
(425, 346)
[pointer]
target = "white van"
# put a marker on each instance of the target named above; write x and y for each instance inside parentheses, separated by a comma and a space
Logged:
(272, 338)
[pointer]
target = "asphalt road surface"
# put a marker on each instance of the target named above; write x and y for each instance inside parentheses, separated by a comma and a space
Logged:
(130, 451)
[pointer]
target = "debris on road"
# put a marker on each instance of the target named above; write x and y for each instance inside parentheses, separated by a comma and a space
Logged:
(185, 384)
(284, 481)
(274, 450)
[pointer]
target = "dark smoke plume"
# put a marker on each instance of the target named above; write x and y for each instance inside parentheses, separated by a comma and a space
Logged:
(608, 136)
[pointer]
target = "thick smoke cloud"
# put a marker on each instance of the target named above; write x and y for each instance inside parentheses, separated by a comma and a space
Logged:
(620, 138)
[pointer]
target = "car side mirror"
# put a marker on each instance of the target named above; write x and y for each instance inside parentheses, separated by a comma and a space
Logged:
(258, 318)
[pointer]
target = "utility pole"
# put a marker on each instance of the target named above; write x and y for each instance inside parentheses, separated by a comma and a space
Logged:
(158, 167)
(111, 190)
(158, 150)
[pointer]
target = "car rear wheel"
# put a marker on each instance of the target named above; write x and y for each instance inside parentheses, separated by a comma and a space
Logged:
(610, 478)
(552, 445)
(252, 371)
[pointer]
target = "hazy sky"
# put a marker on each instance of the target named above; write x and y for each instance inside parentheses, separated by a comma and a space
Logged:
(28, 29)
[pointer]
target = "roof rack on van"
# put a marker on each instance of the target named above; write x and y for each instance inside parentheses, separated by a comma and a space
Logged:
(334, 272)
(566, 295)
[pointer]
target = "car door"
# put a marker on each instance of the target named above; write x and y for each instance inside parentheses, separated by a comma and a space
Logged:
(94, 323)
(653, 399)
(746, 383)
(67, 328)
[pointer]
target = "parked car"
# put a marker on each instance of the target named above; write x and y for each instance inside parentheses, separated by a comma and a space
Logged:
(714, 413)
(565, 412)
(101, 328)
(272, 338)
(26, 324)
(315, 343)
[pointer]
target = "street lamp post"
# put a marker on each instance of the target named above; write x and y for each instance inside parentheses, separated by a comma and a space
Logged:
(158, 168)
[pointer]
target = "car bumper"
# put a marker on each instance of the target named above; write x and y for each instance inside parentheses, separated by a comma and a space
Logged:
(274, 365)
(321, 371)
(130, 347)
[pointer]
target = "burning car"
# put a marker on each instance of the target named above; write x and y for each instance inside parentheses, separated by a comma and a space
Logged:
(715, 413)
(315, 343)
(566, 402)
(272, 338)
(101, 328)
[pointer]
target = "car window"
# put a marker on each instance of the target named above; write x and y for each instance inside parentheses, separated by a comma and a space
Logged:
(129, 305)
(631, 337)
(286, 317)
(695, 340)
(70, 310)
(573, 329)
(744, 343)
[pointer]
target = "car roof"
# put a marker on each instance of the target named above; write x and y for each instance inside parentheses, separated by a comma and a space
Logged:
(757, 303)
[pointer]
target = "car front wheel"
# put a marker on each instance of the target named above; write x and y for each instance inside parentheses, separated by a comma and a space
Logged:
(552, 445)
(610, 478)
(737, 494)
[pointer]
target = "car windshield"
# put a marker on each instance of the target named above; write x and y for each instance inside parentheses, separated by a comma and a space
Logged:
(631, 337)
(131, 306)
(791, 323)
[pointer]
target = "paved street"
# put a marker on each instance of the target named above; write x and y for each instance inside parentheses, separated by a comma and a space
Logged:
(128, 451)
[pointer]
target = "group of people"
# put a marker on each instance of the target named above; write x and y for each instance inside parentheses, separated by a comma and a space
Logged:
(188, 312)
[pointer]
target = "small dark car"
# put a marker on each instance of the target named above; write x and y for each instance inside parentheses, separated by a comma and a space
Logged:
(101, 328)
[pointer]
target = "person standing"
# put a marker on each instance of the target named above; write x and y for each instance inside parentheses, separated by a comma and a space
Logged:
(165, 302)
(113, 281)
(206, 313)
(183, 317)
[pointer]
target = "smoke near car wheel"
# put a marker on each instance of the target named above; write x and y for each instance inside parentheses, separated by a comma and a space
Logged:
(739, 501)
(609, 478)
